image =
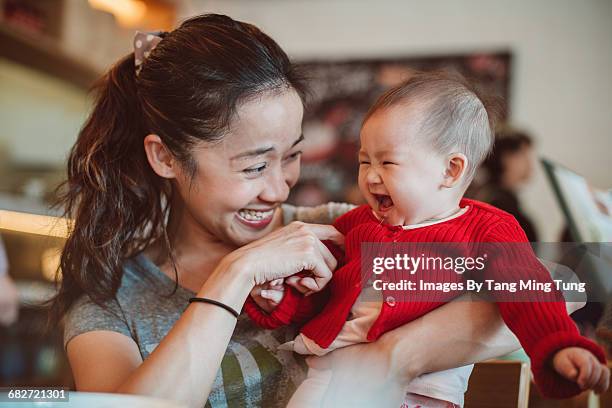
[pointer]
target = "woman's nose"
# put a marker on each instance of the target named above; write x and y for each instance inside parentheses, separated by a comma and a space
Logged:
(276, 188)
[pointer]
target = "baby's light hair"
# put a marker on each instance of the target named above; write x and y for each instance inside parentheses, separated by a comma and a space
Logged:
(455, 117)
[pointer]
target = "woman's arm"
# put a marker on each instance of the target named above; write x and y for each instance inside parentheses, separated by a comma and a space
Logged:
(376, 374)
(456, 334)
(185, 363)
(459, 333)
(180, 368)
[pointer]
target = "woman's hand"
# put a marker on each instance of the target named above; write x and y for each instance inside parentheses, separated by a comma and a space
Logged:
(363, 375)
(292, 249)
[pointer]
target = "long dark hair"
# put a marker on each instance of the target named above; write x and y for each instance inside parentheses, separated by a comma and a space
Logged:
(187, 91)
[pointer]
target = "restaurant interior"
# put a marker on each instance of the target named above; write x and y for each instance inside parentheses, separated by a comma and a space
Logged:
(549, 62)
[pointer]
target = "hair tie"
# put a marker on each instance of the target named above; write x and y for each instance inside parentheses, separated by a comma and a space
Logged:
(144, 43)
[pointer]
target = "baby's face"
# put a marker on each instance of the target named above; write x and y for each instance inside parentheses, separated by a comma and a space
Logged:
(399, 175)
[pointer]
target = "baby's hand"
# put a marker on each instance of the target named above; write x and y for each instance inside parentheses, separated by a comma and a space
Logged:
(581, 366)
(268, 295)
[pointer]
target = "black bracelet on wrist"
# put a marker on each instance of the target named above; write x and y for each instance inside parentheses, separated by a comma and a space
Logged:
(216, 303)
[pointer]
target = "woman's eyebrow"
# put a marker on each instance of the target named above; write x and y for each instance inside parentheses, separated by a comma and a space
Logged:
(253, 153)
(262, 150)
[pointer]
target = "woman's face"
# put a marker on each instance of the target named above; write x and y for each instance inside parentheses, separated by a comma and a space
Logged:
(242, 180)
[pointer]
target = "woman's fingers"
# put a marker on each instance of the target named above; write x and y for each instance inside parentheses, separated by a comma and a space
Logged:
(321, 273)
(274, 296)
(327, 232)
(329, 258)
(309, 283)
(294, 282)
(305, 285)
(292, 249)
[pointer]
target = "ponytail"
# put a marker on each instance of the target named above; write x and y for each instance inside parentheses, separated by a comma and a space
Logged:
(111, 193)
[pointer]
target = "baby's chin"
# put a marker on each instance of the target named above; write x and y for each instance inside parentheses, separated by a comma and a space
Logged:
(391, 217)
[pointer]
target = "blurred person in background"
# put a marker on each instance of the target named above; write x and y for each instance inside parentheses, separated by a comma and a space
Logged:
(9, 301)
(508, 168)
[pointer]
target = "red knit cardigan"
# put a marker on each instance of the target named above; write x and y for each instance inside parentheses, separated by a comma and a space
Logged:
(543, 327)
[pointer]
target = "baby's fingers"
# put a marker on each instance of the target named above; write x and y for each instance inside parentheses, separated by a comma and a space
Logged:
(596, 373)
(599, 374)
(585, 368)
(566, 367)
(604, 380)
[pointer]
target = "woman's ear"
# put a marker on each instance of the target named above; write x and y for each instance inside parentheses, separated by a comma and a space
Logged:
(161, 160)
(456, 166)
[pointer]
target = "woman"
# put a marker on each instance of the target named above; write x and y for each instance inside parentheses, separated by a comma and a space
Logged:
(175, 185)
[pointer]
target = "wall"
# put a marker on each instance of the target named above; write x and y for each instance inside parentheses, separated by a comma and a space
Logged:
(561, 90)
(40, 115)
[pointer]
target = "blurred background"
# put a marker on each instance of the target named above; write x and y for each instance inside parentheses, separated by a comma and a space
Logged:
(550, 61)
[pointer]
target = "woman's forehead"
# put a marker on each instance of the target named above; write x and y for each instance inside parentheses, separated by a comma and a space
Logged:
(272, 120)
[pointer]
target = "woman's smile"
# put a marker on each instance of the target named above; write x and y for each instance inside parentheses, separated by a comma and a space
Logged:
(257, 219)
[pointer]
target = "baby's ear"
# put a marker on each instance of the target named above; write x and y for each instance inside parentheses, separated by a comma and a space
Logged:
(456, 166)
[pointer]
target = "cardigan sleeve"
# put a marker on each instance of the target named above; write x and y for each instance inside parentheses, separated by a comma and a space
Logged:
(540, 321)
(294, 307)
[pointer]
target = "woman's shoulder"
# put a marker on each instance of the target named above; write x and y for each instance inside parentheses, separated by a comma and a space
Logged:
(144, 293)
(320, 214)
(86, 315)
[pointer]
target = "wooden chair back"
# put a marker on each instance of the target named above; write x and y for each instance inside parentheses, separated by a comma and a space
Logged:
(500, 384)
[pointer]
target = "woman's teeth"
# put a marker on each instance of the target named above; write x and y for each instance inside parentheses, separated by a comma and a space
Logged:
(252, 215)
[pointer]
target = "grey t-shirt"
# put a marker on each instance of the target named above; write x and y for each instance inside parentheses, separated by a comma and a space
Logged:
(253, 373)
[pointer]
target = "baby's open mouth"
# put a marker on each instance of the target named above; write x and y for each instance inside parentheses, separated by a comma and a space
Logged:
(384, 202)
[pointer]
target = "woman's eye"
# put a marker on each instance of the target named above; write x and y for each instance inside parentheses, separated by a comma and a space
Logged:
(387, 162)
(255, 170)
(363, 162)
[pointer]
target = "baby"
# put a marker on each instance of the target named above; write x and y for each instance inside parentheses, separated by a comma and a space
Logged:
(421, 144)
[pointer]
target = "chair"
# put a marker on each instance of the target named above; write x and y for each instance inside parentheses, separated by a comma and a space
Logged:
(499, 384)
